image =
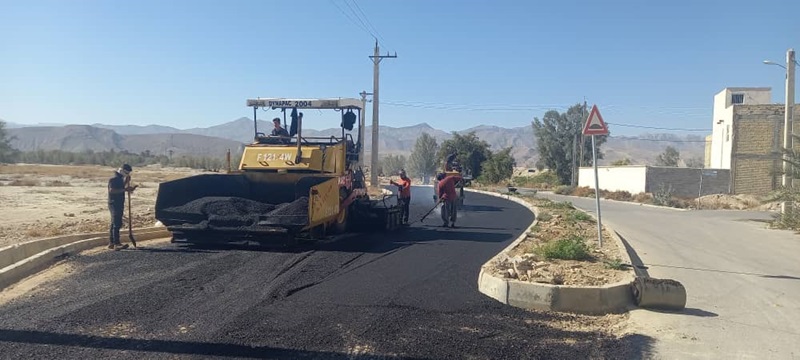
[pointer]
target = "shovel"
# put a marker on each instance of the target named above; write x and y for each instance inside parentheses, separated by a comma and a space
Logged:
(130, 221)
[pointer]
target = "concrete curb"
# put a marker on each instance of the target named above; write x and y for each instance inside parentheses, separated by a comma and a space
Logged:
(594, 300)
(22, 260)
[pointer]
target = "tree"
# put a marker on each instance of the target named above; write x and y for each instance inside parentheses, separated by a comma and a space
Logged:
(422, 161)
(499, 167)
(470, 152)
(6, 151)
(621, 162)
(556, 134)
(391, 164)
(669, 157)
(695, 162)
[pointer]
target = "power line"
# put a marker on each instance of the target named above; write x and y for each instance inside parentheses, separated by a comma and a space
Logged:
(366, 18)
(351, 19)
(657, 140)
(657, 128)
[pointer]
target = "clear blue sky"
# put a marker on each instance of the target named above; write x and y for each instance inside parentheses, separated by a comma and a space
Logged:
(193, 63)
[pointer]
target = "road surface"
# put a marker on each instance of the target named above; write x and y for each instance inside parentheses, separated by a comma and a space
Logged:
(411, 295)
(742, 280)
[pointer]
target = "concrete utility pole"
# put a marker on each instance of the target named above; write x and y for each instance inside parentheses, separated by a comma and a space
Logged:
(376, 60)
(788, 126)
(362, 128)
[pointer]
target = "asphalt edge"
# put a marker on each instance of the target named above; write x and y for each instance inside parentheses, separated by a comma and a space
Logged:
(592, 300)
(37, 255)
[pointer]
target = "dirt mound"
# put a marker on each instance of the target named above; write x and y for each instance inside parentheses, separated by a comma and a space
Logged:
(733, 202)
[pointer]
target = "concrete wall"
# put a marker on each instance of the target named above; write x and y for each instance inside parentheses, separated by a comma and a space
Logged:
(722, 121)
(707, 157)
(758, 134)
(685, 182)
(688, 182)
(615, 178)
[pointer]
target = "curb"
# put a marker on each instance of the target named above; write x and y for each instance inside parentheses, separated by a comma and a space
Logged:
(22, 260)
(593, 300)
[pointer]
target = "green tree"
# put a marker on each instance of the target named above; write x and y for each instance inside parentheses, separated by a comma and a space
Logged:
(470, 151)
(499, 167)
(391, 164)
(621, 162)
(6, 151)
(695, 162)
(423, 159)
(669, 157)
(556, 134)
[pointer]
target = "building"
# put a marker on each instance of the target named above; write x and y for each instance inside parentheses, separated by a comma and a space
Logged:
(747, 138)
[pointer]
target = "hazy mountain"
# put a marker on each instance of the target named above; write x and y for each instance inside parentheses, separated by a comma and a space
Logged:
(139, 129)
(215, 140)
(79, 138)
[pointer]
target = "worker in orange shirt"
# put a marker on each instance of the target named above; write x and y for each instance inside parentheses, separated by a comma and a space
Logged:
(404, 196)
(447, 194)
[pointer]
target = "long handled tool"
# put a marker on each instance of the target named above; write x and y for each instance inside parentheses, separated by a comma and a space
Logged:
(130, 221)
(431, 210)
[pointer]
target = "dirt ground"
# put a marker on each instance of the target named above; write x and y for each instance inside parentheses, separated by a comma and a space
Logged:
(559, 222)
(39, 201)
(736, 202)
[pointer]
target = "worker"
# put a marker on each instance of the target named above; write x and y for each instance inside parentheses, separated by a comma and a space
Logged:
(118, 185)
(278, 130)
(448, 196)
(404, 196)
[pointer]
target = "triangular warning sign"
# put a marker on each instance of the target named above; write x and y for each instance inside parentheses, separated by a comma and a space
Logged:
(595, 124)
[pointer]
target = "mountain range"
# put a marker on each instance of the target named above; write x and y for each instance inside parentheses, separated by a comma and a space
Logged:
(215, 140)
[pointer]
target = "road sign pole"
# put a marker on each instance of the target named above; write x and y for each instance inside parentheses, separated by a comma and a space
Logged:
(597, 194)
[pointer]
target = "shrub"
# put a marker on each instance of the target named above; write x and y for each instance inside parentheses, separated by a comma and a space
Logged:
(643, 198)
(564, 205)
(663, 195)
(24, 182)
(578, 215)
(55, 183)
(545, 216)
(615, 264)
(583, 191)
(564, 190)
(620, 195)
(572, 248)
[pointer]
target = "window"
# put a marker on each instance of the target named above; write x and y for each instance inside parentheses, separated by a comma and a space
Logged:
(737, 99)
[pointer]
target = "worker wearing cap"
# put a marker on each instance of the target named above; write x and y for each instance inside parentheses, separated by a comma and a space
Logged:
(117, 186)
(448, 196)
(404, 196)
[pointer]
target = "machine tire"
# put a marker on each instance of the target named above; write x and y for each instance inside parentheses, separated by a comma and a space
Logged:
(342, 221)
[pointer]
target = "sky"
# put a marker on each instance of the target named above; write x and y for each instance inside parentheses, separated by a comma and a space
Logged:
(459, 63)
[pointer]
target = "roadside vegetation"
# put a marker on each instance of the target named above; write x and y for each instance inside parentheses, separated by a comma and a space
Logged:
(562, 249)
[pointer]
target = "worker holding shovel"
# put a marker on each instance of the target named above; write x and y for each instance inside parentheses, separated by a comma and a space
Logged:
(118, 185)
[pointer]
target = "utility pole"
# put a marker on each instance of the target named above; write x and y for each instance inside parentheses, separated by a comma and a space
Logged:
(376, 60)
(788, 127)
(362, 128)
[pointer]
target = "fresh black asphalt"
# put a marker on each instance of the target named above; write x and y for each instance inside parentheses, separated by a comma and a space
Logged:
(410, 294)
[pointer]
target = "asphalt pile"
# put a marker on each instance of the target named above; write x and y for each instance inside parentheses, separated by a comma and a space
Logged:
(293, 213)
(228, 211)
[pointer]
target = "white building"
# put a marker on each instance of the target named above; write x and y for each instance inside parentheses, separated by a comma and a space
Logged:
(724, 103)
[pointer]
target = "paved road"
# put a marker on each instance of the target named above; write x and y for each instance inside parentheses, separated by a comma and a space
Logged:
(742, 280)
(411, 295)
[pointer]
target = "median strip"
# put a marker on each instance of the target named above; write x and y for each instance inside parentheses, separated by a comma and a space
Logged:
(554, 266)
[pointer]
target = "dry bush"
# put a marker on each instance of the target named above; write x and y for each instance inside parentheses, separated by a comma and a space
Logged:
(682, 203)
(24, 182)
(620, 195)
(643, 198)
(583, 191)
(38, 232)
(57, 183)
